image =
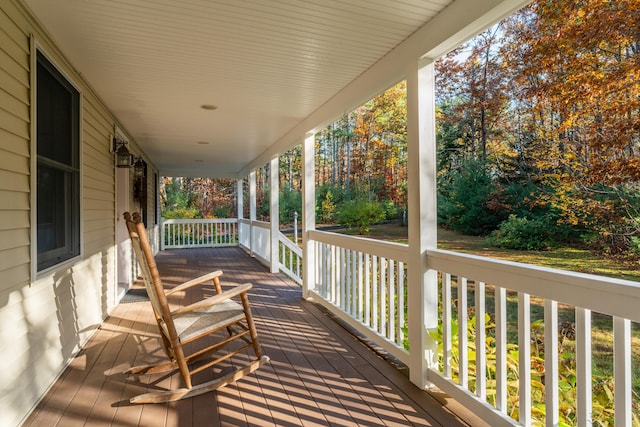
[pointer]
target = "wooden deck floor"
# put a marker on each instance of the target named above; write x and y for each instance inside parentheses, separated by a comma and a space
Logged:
(319, 373)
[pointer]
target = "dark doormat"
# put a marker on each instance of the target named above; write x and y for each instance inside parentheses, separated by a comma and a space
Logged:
(135, 295)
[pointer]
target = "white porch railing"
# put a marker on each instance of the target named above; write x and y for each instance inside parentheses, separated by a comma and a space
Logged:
(261, 240)
(244, 231)
(477, 280)
(197, 233)
(253, 236)
(364, 282)
(290, 260)
(154, 238)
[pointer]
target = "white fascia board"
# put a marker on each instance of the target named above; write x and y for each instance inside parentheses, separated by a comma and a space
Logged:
(457, 23)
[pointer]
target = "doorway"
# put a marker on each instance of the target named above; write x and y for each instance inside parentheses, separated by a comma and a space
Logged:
(124, 262)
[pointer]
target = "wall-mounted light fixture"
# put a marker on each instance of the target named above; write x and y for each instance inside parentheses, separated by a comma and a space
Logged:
(139, 167)
(140, 180)
(123, 157)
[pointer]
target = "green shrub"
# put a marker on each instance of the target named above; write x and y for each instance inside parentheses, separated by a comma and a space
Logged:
(222, 212)
(327, 208)
(603, 403)
(328, 198)
(526, 234)
(468, 200)
(184, 213)
(290, 202)
(360, 214)
(390, 209)
(263, 204)
(635, 245)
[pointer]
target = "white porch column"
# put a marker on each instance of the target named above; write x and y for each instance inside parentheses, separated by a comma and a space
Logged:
(421, 184)
(274, 212)
(240, 207)
(252, 207)
(308, 213)
(240, 198)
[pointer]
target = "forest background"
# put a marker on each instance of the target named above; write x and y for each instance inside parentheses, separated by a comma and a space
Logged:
(538, 136)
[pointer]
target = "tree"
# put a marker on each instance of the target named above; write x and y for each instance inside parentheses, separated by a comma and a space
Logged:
(549, 99)
(469, 201)
(472, 87)
(197, 197)
(578, 65)
(362, 155)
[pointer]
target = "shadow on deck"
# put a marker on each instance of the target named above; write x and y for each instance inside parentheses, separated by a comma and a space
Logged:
(319, 373)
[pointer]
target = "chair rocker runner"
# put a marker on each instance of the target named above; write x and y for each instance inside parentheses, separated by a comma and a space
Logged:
(187, 325)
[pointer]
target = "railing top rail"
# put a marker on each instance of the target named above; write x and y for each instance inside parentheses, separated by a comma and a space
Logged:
(261, 224)
(200, 221)
(616, 297)
(289, 244)
(392, 250)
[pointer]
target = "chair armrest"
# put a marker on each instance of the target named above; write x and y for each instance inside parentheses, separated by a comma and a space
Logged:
(216, 299)
(193, 282)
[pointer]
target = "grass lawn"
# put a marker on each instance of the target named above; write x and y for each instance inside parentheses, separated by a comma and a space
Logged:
(571, 259)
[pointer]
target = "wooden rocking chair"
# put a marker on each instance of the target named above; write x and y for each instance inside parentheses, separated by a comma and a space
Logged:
(187, 325)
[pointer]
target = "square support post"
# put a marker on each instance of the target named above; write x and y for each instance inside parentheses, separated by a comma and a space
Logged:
(422, 219)
(240, 207)
(308, 213)
(240, 198)
(252, 207)
(274, 212)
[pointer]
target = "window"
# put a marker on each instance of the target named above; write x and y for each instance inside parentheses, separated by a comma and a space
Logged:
(58, 166)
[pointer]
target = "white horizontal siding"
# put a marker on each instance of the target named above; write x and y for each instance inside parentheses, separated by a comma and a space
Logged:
(99, 185)
(14, 144)
(14, 168)
(15, 223)
(54, 315)
(13, 162)
(13, 200)
(14, 105)
(13, 238)
(14, 256)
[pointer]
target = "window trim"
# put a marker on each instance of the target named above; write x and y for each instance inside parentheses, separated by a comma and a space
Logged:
(35, 50)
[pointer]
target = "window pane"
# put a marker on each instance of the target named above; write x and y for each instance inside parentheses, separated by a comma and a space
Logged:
(52, 223)
(55, 121)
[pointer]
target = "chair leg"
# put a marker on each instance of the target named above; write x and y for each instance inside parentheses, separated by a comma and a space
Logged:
(251, 324)
(182, 364)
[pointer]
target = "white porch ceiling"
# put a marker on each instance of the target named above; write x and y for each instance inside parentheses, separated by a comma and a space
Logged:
(267, 65)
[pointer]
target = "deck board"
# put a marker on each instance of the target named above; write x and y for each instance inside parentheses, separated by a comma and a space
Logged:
(319, 373)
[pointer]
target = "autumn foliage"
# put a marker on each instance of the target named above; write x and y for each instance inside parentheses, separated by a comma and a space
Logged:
(549, 101)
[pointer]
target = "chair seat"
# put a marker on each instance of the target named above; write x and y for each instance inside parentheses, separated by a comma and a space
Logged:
(192, 324)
